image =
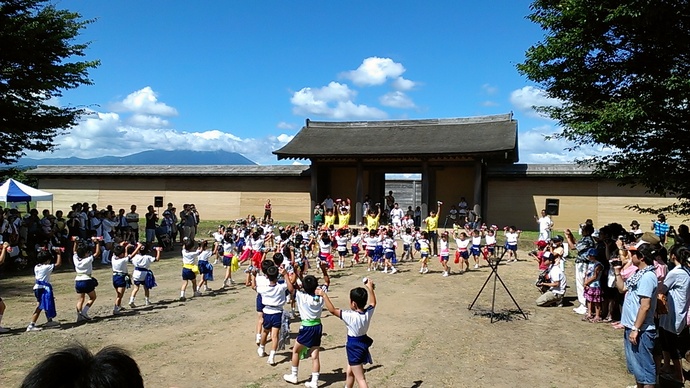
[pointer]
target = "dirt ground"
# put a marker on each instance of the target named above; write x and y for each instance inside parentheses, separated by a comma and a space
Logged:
(424, 335)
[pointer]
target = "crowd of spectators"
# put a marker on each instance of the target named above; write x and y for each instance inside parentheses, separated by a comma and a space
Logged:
(637, 281)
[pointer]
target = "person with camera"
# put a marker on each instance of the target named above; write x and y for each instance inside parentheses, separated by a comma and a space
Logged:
(432, 228)
(554, 282)
(637, 315)
(151, 225)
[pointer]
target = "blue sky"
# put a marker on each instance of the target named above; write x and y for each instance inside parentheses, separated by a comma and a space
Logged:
(244, 75)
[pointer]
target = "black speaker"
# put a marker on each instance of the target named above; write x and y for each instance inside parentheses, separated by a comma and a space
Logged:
(552, 206)
(157, 201)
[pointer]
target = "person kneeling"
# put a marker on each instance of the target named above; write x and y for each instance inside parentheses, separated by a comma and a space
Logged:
(554, 281)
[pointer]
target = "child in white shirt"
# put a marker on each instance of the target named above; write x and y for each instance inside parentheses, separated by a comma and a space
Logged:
(43, 290)
(357, 320)
(84, 283)
(273, 297)
(142, 275)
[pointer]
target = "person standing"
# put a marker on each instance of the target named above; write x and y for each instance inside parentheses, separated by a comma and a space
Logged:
(188, 222)
(638, 313)
(581, 262)
(267, 210)
(545, 225)
(151, 222)
(432, 228)
(133, 221)
(661, 228)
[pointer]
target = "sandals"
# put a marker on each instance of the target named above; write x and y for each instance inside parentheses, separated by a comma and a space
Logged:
(608, 320)
(596, 320)
(587, 318)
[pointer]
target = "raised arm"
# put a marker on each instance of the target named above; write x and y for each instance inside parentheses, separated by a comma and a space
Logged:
(372, 295)
(327, 301)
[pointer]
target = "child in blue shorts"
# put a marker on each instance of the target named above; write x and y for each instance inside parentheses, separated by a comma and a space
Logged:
(273, 298)
(309, 338)
(43, 290)
(357, 320)
(84, 283)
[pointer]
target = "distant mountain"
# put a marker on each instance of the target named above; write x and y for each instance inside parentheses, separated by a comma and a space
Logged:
(153, 157)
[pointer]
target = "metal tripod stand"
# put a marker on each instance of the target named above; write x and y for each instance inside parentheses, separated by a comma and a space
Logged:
(494, 273)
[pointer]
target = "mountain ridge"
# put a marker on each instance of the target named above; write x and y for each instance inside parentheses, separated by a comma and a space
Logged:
(151, 157)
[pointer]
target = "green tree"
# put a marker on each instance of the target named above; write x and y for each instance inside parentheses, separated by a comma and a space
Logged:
(622, 70)
(37, 63)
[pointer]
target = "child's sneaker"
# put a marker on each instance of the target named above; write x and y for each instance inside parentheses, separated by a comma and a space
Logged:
(394, 270)
(368, 269)
(476, 266)
(385, 270)
(311, 384)
(445, 274)
(260, 351)
(4, 329)
(51, 324)
(421, 270)
(271, 360)
(33, 327)
(232, 282)
(426, 270)
(290, 378)
(132, 305)
(197, 293)
(148, 303)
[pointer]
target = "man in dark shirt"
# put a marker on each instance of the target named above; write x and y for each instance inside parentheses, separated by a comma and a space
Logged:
(151, 223)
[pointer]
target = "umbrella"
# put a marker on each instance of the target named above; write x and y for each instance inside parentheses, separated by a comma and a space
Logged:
(13, 191)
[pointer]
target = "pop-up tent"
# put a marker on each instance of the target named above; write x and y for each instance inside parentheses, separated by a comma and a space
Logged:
(13, 191)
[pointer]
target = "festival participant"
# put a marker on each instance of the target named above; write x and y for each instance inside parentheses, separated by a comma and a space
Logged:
(581, 262)
(189, 268)
(142, 275)
(325, 247)
(673, 328)
(258, 279)
(432, 227)
(372, 219)
(445, 253)
(230, 263)
(424, 248)
(638, 314)
(462, 254)
(85, 284)
(475, 249)
(43, 290)
(371, 242)
(490, 243)
(357, 321)
(121, 280)
(308, 340)
(593, 293)
(273, 297)
(389, 252)
(545, 225)
(341, 243)
(344, 210)
(511, 235)
(3, 254)
(218, 237)
(408, 239)
(397, 215)
(355, 240)
(205, 267)
(555, 281)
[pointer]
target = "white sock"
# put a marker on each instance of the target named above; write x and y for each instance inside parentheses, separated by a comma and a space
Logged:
(314, 377)
(147, 300)
(294, 370)
(0, 318)
(85, 309)
(181, 294)
(272, 353)
(131, 299)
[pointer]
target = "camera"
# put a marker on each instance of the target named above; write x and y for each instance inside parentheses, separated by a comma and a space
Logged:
(616, 262)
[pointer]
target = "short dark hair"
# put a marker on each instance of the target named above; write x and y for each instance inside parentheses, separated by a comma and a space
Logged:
(309, 284)
(272, 273)
(266, 264)
(75, 366)
(360, 296)
(278, 258)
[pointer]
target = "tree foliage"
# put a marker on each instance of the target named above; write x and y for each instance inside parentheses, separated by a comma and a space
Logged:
(622, 70)
(37, 63)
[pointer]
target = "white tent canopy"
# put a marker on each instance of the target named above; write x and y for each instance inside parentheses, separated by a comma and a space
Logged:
(13, 191)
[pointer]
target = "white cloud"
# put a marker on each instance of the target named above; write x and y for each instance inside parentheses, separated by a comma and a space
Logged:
(284, 125)
(113, 134)
(489, 103)
(374, 71)
(526, 98)
(489, 89)
(403, 84)
(396, 99)
(283, 138)
(139, 120)
(145, 101)
(332, 101)
(535, 148)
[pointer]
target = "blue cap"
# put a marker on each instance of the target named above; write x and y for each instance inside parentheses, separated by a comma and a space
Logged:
(592, 252)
